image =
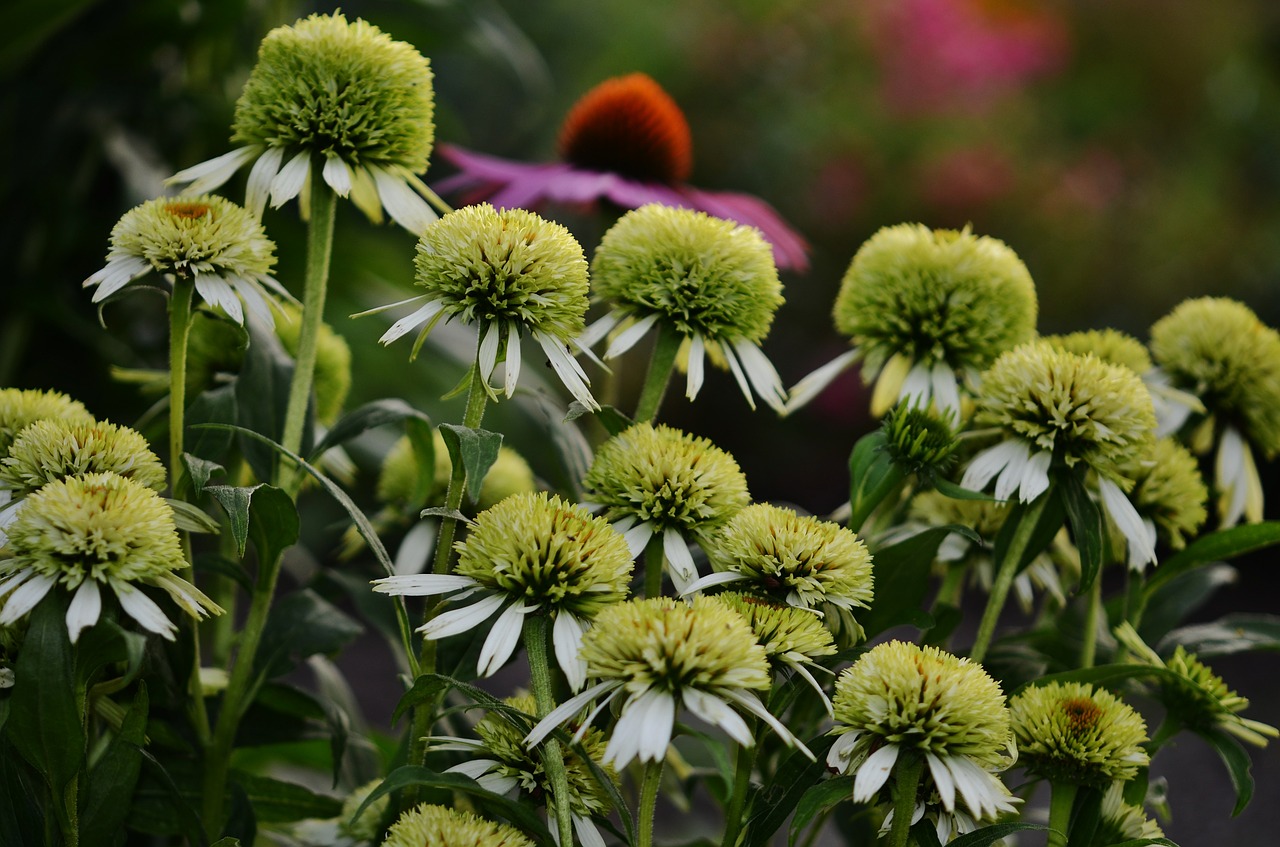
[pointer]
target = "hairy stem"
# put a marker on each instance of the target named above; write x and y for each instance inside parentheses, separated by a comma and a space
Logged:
(734, 816)
(1007, 570)
(906, 781)
(659, 373)
(1093, 611)
(648, 802)
(1061, 800)
(653, 561)
(535, 642)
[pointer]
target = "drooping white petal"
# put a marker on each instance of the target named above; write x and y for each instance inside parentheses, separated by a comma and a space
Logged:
(260, 176)
(643, 729)
(568, 709)
(512, 365)
(946, 394)
(841, 753)
(13, 580)
(474, 768)
(812, 385)
(1127, 520)
(252, 296)
(415, 550)
(799, 668)
(421, 585)
(917, 387)
(116, 275)
(696, 368)
(592, 335)
(739, 375)
(1150, 526)
(711, 579)
(889, 383)
(989, 462)
(487, 355)
(587, 832)
(627, 339)
(216, 292)
(716, 712)
(679, 559)
(752, 704)
(502, 640)
(568, 369)
(208, 175)
(566, 636)
(291, 178)
(497, 783)
(143, 609)
(1035, 476)
(942, 780)
(1011, 477)
(8, 514)
(337, 174)
(637, 537)
(24, 599)
(1232, 476)
(190, 599)
(983, 793)
(457, 621)
(405, 206)
(874, 772)
(762, 374)
(409, 322)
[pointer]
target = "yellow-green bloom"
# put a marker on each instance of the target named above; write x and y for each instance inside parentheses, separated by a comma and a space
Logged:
(440, 827)
(20, 407)
(1075, 733)
(508, 273)
(342, 96)
(1218, 350)
(1060, 409)
(663, 654)
(1109, 345)
(97, 529)
(1199, 699)
(659, 481)
(902, 698)
(209, 239)
(709, 280)
(926, 309)
(530, 553)
(798, 560)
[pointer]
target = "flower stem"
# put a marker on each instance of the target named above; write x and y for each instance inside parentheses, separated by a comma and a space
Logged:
(1007, 570)
(535, 643)
(734, 814)
(906, 781)
(648, 802)
(324, 204)
(659, 374)
(1089, 649)
(179, 330)
(653, 559)
(1062, 798)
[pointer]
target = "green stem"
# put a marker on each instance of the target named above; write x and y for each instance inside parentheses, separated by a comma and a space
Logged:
(1089, 649)
(659, 373)
(735, 813)
(535, 643)
(1062, 798)
(653, 560)
(906, 776)
(324, 204)
(179, 330)
(67, 812)
(648, 802)
(1005, 573)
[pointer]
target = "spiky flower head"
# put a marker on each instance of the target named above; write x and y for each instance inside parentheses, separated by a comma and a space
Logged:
(441, 827)
(935, 296)
(704, 276)
(1196, 696)
(783, 631)
(403, 483)
(1220, 351)
(1169, 491)
(56, 448)
(918, 441)
(1109, 345)
(1120, 822)
(670, 478)
(984, 517)
(333, 363)
(541, 549)
(1072, 732)
(20, 407)
(367, 828)
(1078, 408)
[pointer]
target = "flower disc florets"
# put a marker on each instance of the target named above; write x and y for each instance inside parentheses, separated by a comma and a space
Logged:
(189, 236)
(1169, 491)
(705, 276)
(340, 89)
(1218, 350)
(1109, 345)
(786, 633)
(440, 827)
(54, 449)
(926, 699)
(1079, 408)
(670, 645)
(667, 477)
(935, 296)
(1072, 732)
(20, 407)
(546, 551)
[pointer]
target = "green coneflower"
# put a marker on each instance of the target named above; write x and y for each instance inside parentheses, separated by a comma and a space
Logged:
(1109, 345)
(901, 698)
(507, 762)
(530, 553)
(97, 529)
(1061, 410)
(209, 239)
(339, 95)
(1199, 699)
(441, 827)
(1120, 822)
(664, 654)
(801, 561)
(926, 309)
(1077, 734)
(705, 279)
(20, 407)
(508, 273)
(1169, 495)
(919, 442)
(1218, 350)
(656, 480)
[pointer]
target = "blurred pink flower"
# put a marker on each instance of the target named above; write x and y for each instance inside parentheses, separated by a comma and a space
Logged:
(938, 55)
(626, 141)
(966, 178)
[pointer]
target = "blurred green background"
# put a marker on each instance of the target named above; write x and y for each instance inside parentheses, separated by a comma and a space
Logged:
(1128, 150)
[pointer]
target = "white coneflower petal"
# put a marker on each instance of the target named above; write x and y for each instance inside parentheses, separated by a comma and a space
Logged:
(116, 275)
(942, 780)
(502, 640)
(946, 391)
(716, 712)
(25, 598)
(84, 610)
(425, 314)
(456, 621)
(627, 338)
(420, 585)
(568, 369)
(762, 374)
(404, 205)
(337, 174)
(988, 463)
(1010, 479)
(207, 176)
(813, 384)
(216, 292)
(512, 366)
(290, 179)
(487, 353)
(697, 367)
(566, 636)
(678, 557)
(874, 773)
(143, 609)
(261, 175)
(1128, 521)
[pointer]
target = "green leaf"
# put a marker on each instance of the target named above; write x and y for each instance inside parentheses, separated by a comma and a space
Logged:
(476, 449)
(902, 577)
(612, 419)
(217, 405)
(262, 397)
(1238, 633)
(1236, 758)
(872, 477)
(302, 624)
(262, 512)
(1143, 842)
(369, 416)
(44, 723)
(114, 775)
(191, 518)
(22, 800)
(924, 834)
(1180, 597)
(1217, 546)
(816, 800)
(277, 801)
(1087, 528)
(200, 471)
(162, 804)
(989, 835)
(107, 643)
(779, 796)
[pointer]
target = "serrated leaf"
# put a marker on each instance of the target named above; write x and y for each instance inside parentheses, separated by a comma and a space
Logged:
(817, 799)
(302, 624)
(200, 471)
(114, 775)
(1088, 529)
(1238, 633)
(902, 577)
(369, 416)
(611, 418)
(476, 449)
(1236, 758)
(442, 512)
(1219, 546)
(263, 512)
